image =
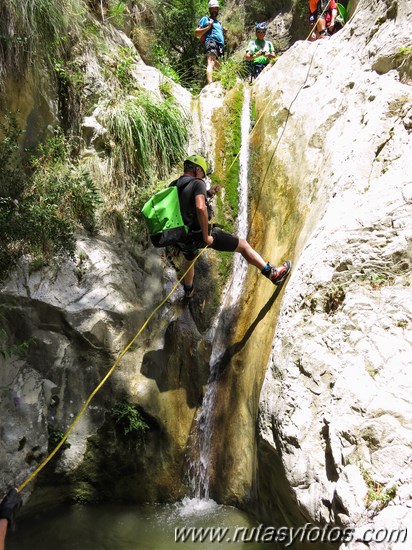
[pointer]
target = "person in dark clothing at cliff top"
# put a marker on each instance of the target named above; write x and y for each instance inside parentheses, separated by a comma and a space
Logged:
(324, 12)
(9, 506)
(211, 32)
(196, 213)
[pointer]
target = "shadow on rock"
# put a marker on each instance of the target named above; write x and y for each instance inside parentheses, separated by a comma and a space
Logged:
(183, 362)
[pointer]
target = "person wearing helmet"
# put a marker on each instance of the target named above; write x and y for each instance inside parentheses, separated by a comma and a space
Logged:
(196, 213)
(212, 34)
(324, 13)
(259, 51)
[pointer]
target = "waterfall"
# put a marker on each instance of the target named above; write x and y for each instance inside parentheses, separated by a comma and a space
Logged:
(200, 464)
(196, 142)
(240, 264)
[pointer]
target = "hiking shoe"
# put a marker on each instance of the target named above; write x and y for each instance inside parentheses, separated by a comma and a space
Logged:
(189, 291)
(277, 274)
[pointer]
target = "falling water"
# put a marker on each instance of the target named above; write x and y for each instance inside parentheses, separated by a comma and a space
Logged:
(240, 264)
(196, 142)
(200, 464)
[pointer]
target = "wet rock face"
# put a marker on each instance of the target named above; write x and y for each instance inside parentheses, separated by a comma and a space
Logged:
(79, 318)
(336, 402)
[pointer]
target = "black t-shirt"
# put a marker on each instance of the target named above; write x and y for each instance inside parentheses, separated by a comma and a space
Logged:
(187, 194)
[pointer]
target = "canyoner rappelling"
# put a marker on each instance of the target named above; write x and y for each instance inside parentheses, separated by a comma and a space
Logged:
(189, 200)
(200, 235)
(196, 213)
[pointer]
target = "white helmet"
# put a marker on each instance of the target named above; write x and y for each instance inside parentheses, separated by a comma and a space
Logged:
(213, 4)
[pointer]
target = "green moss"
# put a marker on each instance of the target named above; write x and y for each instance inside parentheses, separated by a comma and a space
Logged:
(228, 147)
(55, 436)
(226, 173)
(83, 492)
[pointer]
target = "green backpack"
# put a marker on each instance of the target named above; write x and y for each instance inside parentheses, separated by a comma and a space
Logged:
(163, 216)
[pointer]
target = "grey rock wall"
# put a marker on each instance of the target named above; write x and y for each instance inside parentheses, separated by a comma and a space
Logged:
(335, 408)
(80, 316)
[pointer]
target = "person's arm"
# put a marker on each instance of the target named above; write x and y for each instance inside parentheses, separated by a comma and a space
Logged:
(203, 218)
(270, 51)
(214, 190)
(333, 16)
(3, 530)
(201, 30)
(250, 56)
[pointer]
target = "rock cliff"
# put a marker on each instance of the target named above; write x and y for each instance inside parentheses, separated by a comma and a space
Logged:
(335, 438)
(328, 439)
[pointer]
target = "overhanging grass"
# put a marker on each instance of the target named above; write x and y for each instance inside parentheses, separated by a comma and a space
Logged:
(36, 29)
(148, 136)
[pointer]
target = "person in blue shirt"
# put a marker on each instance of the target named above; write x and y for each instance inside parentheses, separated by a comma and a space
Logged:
(212, 33)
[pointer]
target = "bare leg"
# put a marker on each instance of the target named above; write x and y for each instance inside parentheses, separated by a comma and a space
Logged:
(188, 278)
(209, 69)
(321, 27)
(250, 255)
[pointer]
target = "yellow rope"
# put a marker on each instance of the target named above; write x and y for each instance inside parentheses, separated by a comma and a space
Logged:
(268, 103)
(104, 380)
(129, 345)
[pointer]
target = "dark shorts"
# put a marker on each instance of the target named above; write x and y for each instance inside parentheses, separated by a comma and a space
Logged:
(321, 8)
(222, 241)
(257, 68)
(214, 48)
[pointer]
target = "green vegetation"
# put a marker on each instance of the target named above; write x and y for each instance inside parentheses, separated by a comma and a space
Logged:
(148, 136)
(12, 175)
(8, 350)
(41, 208)
(258, 10)
(116, 13)
(227, 170)
(176, 21)
(377, 491)
(228, 147)
(378, 280)
(30, 31)
(343, 13)
(235, 21)
(124, 63)
(55, 436)
(405, 51)
(128, 417)
(230, 71)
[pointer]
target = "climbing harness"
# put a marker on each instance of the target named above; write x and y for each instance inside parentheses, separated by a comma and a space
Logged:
(128, 347)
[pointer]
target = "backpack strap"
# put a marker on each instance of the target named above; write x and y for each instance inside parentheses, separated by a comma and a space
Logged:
(177, 183)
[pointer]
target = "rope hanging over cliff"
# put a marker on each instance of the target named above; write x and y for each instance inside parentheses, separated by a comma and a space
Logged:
(106, 377)
(130, 344)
